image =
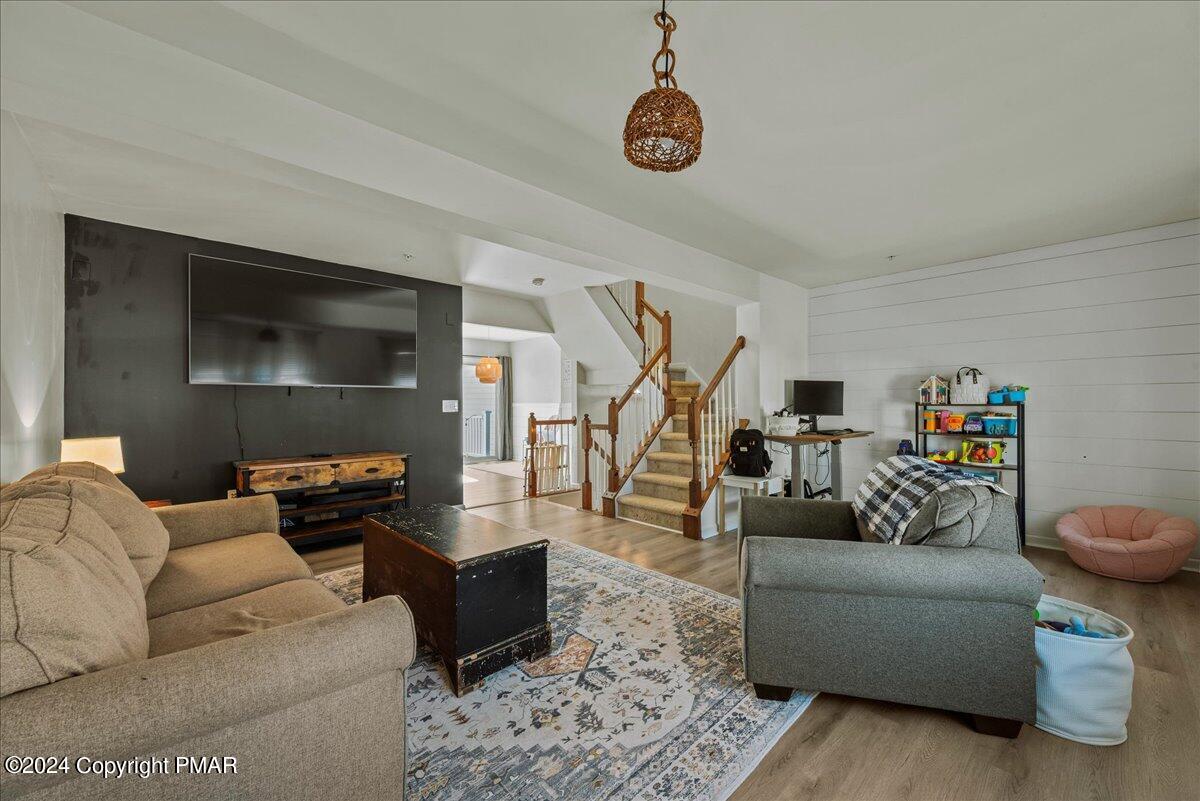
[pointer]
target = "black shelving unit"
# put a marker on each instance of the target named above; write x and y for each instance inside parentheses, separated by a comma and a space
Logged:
(922, 443)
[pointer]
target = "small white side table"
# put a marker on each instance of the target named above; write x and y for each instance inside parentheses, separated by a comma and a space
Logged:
(767, 485)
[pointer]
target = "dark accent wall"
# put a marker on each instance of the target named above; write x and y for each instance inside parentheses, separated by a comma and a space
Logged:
(126, 374)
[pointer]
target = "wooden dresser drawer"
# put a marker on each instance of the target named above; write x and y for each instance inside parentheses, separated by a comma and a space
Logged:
(282, 478)
(371, 470)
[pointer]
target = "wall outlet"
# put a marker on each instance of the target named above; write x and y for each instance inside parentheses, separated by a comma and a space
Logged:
(449, 406)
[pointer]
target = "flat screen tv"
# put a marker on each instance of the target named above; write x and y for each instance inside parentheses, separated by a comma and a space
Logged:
(250, 324)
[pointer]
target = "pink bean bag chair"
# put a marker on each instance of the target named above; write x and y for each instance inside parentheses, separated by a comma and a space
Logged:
(1127, 542)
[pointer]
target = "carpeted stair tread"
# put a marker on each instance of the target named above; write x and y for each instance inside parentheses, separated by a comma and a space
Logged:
(664, 479)
(678, 436)
(668, 456)
(653, 504)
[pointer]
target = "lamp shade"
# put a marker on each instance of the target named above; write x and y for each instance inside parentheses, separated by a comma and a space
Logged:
(104, 451)
(488, 370)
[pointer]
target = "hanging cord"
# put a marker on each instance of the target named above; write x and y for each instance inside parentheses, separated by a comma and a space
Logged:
(237, 424)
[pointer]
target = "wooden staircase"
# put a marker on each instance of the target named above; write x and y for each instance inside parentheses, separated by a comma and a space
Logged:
(683, 456)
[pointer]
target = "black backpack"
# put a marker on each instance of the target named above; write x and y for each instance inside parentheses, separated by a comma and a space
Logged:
(748, 453)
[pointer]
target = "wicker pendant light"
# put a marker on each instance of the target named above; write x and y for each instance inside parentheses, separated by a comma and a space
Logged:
(663, 130)
(488, 370)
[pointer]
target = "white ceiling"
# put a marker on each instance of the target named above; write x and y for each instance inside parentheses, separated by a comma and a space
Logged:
(842, 140)
(493, 333)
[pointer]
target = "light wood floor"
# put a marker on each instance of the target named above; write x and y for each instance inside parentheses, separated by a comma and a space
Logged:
(849, 748)
(489, 488)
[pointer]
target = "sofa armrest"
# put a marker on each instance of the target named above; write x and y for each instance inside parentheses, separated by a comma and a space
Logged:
(797, 518)
(145, 706)
(897, 571)
(205, 521)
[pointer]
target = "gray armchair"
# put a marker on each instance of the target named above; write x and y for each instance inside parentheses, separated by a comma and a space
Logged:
(950, 628)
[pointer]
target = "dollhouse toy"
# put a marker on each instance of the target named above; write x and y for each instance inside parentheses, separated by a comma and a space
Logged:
(935, 389)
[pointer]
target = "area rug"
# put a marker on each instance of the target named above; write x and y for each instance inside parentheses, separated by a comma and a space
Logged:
(642, 697)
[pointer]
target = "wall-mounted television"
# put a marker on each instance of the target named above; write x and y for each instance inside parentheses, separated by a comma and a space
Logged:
(253, 324)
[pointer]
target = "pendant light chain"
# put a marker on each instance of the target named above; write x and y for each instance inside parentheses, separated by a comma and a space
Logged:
(664, 129)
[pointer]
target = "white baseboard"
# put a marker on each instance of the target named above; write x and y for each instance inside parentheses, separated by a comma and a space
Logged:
(1042, 541)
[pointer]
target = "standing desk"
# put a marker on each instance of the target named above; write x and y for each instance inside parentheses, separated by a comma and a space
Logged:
(796, 443)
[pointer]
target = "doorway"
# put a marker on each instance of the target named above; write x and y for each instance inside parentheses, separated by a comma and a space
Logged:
(490, 475)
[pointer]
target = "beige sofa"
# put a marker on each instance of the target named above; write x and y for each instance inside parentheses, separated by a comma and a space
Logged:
(133, 635)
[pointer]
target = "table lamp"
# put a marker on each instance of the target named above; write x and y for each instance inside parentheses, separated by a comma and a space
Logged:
(104, 451)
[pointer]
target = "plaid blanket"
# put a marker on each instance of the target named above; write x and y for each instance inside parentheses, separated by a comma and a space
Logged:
(893, 492)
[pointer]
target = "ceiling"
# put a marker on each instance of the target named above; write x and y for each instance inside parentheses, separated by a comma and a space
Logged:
(842, 140)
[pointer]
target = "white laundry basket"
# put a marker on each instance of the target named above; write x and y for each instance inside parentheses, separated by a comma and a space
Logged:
(1084, 685)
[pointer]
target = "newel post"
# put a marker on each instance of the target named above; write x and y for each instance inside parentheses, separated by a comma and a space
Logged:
(668, 390)
(609, 505)
(639, 308)
(586, 486)
(533, 479)
(694, 438)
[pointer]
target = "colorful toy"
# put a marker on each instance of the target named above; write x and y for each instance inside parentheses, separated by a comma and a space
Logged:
(906, 448)
(943, 457)
(1000, 425)
(1013, 393)
(935, 389)
(1079, 630)
(955, 421)
(982, 452)
(973, 424)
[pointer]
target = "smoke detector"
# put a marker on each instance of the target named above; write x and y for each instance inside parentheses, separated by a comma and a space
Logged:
(539, 281)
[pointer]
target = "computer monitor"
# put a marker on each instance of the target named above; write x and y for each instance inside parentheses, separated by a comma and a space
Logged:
(814, 398)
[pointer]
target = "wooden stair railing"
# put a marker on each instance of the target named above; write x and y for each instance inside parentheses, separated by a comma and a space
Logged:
(635, 419)
(647, 321)
(596, 461)
(712, 417)
(548, 463)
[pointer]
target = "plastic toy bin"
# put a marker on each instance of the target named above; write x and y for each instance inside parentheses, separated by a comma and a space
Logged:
(1084, 685)
(999, 426)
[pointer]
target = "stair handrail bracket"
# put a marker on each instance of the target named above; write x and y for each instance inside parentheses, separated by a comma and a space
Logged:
(712, 417)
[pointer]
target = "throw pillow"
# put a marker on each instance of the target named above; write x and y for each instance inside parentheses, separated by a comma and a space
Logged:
(139, 529)
(70, 600)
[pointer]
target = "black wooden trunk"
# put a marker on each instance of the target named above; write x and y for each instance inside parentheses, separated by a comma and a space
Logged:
(477, 589)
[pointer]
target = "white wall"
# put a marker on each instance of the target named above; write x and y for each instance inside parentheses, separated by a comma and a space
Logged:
(536, 384)
(485, 347)
(502, 311)
(31, 311)
(702, 331)
(1106, 331)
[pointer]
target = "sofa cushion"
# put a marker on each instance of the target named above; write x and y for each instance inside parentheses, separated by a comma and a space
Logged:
(954, 517)
(138, 529)
(271, 606)
(70, 600)
(213, 571)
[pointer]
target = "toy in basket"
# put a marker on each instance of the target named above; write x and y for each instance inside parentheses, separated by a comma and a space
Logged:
(970, 387)
(1013, 393)
(1000, 425)
(982, 453)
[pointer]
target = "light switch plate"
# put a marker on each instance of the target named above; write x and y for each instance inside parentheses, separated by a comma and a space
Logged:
(449, 406)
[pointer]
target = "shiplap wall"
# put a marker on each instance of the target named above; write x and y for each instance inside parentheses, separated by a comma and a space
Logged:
(1106, 332)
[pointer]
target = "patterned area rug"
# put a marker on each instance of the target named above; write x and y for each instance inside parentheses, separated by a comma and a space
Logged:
(641, 697)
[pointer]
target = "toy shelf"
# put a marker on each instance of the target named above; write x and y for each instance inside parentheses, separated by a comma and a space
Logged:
(922, 440)
(978, 435)
(970, 405)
